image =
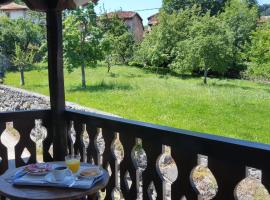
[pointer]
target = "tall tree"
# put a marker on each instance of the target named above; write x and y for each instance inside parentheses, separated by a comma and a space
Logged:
(264, 9)
(214, 6)
(121, 39)
(21, 60)
(242, 21)
(156, 48)
(22, 32)
(82, 40)
(208, 47)
(259, 53)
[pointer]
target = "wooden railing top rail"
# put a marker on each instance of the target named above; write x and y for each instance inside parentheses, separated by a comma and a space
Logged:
(23, 114)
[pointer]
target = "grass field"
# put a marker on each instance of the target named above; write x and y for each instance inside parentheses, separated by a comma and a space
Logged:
(232, 108)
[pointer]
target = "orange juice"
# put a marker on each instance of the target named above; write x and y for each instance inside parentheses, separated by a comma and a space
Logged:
(73, 165)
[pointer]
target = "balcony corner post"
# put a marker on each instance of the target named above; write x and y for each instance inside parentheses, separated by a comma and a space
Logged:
(56, 83)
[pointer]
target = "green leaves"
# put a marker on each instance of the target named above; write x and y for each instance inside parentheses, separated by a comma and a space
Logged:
(259, 53)
(117, 41)
(208, 47)
(81, 38)
(22, 32)
(22, 58)
(241, 19)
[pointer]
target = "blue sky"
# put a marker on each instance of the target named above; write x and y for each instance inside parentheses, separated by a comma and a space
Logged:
(134, 5)
(127, 5)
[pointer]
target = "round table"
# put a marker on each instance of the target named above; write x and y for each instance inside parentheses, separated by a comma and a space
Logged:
(42, 193)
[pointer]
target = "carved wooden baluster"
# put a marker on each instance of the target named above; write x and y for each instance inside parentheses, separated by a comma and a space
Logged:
(153, 149)
(70, 145)
(251, 187)
(108, 159)
(118, 153)
(167, 169)
(92, 150)
(127, 165)
(185, 160)
(3, 151)
(227, 174)
(24, 128)
(79, 144)
(202, 179)
(47, 142)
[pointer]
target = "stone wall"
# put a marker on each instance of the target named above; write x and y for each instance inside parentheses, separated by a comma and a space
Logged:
(12, 99)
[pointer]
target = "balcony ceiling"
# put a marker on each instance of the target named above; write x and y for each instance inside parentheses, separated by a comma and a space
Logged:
(57, 5)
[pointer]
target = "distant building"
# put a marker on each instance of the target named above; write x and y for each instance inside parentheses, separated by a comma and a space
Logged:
(263, 19)
(152, 21)
(13, 10)
(133, 22)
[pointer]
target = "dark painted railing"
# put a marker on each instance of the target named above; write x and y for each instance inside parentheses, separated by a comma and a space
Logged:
(229, 160)
(24, 123)
(116, 143)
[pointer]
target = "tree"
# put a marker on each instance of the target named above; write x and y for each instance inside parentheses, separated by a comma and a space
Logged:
(107, 45)
(264, 9)
(213, 6)
(242, 20)
(121, 39)
(22, 32)
(82, 40)
(156, 48)
(22, 59)
(259, 53)
(208, 47)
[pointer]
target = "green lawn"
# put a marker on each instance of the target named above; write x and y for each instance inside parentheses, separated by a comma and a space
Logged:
(233, 108)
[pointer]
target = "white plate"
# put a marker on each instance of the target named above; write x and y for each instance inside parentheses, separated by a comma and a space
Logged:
(94, 168)
(68, 180)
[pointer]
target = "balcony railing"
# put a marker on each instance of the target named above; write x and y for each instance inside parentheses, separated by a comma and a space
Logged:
(117, 143)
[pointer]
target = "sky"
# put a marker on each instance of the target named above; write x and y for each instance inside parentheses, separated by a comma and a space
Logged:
(131, 5)
(137, 5)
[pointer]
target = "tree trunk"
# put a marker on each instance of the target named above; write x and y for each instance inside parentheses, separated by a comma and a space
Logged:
(83, 76)
(205, 75)
(109, 66)
(22, 76)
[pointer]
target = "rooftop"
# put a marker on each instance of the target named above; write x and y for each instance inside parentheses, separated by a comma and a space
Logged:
(13, 6)
(124, 14)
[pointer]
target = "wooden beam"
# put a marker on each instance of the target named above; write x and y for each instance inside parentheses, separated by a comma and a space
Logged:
(56, 83)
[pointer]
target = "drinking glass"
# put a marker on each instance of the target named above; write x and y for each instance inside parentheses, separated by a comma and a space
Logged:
(73, 162)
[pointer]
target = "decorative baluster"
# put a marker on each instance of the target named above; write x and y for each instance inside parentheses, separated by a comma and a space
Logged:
(25, 143)
(167, 170)
(70, 135)
(3, 151)
(92, 151)
(153, 149)
(48, 141)
(79, 144)
(202, 180)
(251, 187)
(185, 159)
(108, 159)
(118, 153)
(127, 166)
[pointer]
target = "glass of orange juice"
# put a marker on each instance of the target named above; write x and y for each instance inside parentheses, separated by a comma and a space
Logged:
(73, 162)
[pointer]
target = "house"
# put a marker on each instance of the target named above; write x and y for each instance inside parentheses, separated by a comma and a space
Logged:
(133, 22)
(152, 21)
(13, 10)
(263, 19)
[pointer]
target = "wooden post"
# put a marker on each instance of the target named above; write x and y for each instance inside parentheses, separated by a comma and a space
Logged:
(56, 83)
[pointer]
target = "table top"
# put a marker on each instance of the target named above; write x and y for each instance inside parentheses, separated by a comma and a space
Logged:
(42, 193)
